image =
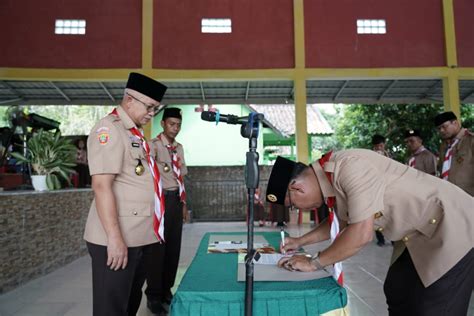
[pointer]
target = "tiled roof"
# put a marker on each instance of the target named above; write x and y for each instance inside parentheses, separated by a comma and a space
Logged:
(282, 117)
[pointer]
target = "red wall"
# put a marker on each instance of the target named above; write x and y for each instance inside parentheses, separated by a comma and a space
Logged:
(464, 24)
(262, 34)
(415, 34)
(112, 40)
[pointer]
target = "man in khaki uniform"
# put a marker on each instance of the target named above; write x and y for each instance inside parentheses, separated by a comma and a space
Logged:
(421, 158)
(378, 145)
(163, 264)
(119, 229)
(456, 154)
(435, 273)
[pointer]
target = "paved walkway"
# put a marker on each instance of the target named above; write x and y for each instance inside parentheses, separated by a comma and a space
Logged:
(68, 291)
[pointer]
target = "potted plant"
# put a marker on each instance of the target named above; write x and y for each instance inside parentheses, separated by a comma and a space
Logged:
(50, 156)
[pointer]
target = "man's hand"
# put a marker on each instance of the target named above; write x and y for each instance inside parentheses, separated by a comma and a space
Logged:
(291, 244)
(297, 263)
(185, 213)
(117, 254)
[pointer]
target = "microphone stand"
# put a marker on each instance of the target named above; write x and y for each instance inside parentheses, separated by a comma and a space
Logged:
(250, 130)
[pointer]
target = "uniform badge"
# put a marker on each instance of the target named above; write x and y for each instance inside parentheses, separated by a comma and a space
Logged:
(136, 145)
(103, 135)
(460, 160)
(166, 168)
(139, 169)
(103, 138)
(272, 198)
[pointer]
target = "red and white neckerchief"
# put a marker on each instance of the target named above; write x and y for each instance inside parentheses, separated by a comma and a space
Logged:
(176, 166)
(338, 274)
(411, 161)
(447, 159)
(158, 219)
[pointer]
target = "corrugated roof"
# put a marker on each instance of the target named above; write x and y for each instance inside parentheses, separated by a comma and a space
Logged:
(282, 117)
(382, 91)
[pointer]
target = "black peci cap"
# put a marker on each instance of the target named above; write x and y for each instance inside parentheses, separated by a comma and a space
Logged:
(444, 117)
(412, 132)
(172, 112)
(377, 139)
(279, 179)
(147, 86)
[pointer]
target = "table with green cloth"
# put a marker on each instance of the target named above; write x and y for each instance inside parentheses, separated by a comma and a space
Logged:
(210, 287)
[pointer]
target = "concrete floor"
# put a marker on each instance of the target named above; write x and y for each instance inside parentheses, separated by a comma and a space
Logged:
(68, 291)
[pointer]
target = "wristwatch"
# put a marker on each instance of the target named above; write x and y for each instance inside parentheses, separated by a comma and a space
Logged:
(316, 262)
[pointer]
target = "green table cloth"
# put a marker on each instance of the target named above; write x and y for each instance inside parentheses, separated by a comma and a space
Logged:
(210, 287)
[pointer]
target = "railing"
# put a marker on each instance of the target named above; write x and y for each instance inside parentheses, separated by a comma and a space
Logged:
(218, 198)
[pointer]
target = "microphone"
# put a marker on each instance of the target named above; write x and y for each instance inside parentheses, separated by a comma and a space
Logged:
(217, 117)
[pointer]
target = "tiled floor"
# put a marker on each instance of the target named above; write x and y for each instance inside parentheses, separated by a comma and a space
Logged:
(67, 291)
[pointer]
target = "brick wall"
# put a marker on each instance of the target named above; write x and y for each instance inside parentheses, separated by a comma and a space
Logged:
(40, 232)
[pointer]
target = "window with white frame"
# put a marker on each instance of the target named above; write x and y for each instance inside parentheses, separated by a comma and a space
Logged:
(70, 27)
(371, 27)
(216, 26)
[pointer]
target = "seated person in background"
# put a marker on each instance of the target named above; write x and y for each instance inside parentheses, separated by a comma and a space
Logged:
(258, 208)
(82, 168)
(378, 145)
(280, 214)
(420, 158)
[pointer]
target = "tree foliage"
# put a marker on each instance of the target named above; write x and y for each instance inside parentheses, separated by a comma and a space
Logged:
(74, 119)
(359, 122)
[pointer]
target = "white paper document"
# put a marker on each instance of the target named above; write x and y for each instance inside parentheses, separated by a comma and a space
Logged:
(265, 258)
(269, 272)
(237, 243)
(242, 245)
(266, 269)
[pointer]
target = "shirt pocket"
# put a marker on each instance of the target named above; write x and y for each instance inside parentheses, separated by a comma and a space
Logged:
(431, 219)
(137, 153)
(134, 209)
(162, 157)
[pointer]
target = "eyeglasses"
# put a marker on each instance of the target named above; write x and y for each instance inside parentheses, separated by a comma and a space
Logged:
(149, 108)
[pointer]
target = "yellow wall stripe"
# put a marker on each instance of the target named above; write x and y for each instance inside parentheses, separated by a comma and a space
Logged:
(299, 83)
(451, 94)
(147, 34)
(450, 82)
(449, 34)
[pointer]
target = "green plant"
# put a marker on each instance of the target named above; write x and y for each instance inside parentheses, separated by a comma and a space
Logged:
(51, 155)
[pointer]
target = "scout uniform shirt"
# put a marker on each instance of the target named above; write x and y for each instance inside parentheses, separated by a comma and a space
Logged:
(163, 159)
(113, 149)
(425, 161)
(461, 172)
(432, 217)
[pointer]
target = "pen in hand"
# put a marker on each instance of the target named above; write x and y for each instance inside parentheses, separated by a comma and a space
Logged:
(282, 233)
